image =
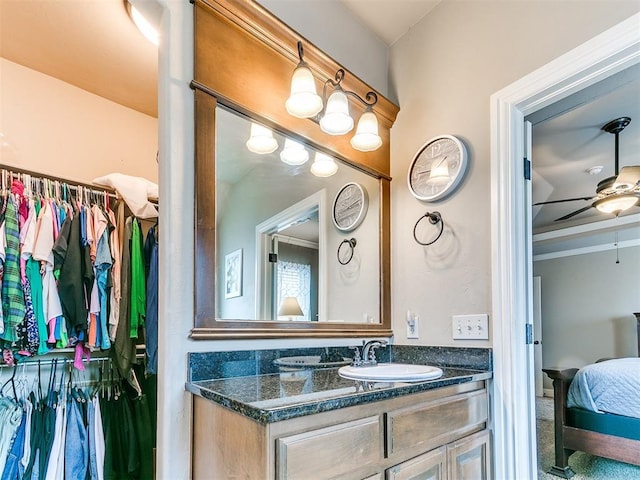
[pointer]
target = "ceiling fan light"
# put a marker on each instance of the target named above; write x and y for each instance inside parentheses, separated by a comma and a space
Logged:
(616, 203)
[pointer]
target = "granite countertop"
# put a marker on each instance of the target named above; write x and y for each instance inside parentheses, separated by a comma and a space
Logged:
(280, 396)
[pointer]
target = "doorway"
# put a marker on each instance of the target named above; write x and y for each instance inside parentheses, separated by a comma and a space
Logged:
(513, 407)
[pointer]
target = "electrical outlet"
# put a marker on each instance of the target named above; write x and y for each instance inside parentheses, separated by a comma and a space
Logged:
(413, 321)
(470, 327)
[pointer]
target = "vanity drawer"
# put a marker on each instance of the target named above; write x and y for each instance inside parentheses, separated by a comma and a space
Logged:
(436, 423)
(338, 451)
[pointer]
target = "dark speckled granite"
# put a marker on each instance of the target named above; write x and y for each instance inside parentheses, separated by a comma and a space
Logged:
(250, 383)
(463, 357)
(280, 396)
(206, 366)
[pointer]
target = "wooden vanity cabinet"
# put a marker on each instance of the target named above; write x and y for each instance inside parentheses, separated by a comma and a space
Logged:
(439, 434)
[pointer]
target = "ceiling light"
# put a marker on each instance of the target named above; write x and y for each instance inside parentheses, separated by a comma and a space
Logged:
(596, 170)
(293, 153)
(323, 165)
(261, 140)
(147, 30)
(616, 204)
(333, 113)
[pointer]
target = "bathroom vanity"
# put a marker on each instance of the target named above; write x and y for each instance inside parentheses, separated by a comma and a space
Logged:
(314, 424)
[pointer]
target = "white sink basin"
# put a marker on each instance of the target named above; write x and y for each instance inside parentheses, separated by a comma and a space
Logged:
(391, 372)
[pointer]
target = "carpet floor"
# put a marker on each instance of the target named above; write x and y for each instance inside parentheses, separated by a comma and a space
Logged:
(586, 466)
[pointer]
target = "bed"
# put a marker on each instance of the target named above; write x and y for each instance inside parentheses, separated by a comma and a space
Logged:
(582, 418)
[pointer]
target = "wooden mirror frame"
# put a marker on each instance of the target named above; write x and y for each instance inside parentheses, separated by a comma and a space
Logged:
(244, 58)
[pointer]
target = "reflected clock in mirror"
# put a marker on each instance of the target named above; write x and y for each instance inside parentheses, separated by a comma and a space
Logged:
(350, 207)
(279, 213)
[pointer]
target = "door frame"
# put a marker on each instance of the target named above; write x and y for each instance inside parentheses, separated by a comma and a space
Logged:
(513, 406)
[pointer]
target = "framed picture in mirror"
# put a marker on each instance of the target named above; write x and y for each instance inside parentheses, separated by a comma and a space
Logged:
(233, 274)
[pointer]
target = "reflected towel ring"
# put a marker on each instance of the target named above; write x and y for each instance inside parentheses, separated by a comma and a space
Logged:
(345, 250)
(434, 218)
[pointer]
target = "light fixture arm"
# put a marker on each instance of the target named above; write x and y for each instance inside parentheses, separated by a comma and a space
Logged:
(370, 100)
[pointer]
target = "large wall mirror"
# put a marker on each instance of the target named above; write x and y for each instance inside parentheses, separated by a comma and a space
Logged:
(292, 233)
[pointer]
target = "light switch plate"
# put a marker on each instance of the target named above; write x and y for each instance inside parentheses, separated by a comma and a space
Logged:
(470, 327)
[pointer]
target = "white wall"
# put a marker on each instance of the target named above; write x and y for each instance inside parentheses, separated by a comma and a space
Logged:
(53, 127)
(588, 303)
(443, 72)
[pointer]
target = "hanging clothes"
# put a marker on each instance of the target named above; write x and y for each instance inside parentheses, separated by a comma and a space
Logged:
(151, 320)
(138, 288)
(13, 304)
(124, 348)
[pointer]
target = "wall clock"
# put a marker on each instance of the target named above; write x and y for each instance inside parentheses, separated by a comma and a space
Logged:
(438, 168)
(350, 207)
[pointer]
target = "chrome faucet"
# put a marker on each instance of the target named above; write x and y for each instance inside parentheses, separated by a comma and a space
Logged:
(368, 351)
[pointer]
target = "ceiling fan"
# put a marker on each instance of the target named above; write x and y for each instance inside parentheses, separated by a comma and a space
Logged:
(613, 194)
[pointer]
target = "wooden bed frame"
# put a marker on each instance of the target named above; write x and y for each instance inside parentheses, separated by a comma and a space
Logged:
(570, 439)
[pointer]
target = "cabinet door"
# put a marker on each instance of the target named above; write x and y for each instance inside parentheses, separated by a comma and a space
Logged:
(347, 450)
(470, 457)
(428, 466)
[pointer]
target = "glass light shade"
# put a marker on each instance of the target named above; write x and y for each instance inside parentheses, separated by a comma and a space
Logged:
(336, 119)
(616, 203)
(439, 174)
(366, 138)
(323, 165)
(290, 307)
(303, 102)
(261, 140)
(147, 30)
(293, 153)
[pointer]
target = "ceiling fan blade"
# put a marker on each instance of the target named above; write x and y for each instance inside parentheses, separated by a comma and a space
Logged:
(561, 201)
(628, 176)
(573, 214)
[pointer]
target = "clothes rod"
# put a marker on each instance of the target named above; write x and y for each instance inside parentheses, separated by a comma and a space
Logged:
(70, 183)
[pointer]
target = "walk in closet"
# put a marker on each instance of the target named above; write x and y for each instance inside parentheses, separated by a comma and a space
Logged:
(79, 268)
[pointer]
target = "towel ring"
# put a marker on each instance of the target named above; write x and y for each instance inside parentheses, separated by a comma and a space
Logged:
(434, 218)
(348, 255)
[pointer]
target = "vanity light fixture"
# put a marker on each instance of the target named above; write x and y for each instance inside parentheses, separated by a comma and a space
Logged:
(261, 140)
(294, 153)
(145, 27)
(323, 165)
(332, 114)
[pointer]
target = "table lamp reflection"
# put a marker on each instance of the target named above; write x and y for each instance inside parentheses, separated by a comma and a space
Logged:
(290, 308)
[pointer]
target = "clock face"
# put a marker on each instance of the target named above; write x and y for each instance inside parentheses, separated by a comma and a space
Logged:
(437, 168)
(350, 207)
